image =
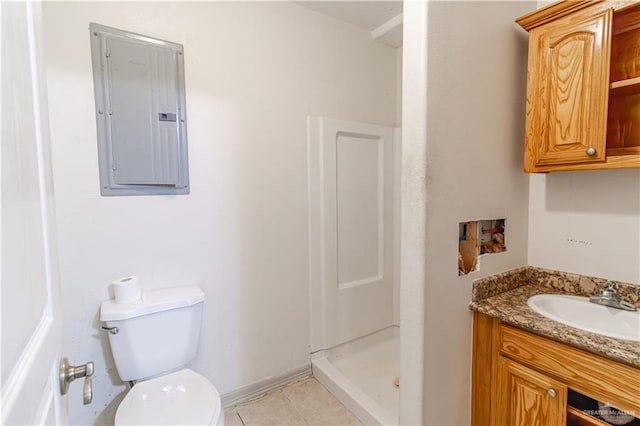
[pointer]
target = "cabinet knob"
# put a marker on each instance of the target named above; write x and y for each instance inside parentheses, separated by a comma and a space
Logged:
(591, 151)
(551, 392)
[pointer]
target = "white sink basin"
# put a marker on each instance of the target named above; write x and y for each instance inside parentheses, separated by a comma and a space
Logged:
(580, 313)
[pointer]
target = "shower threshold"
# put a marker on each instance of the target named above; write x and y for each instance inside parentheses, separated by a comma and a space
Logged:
(361, 375)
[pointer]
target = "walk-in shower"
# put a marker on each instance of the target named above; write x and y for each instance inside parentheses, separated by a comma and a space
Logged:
(353, 246)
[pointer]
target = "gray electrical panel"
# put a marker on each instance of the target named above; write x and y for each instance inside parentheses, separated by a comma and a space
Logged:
(140, 113)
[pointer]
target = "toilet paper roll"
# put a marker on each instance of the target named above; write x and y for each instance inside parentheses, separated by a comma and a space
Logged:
(127, 289)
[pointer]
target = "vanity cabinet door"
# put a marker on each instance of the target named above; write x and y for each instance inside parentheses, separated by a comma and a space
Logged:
(567, 90)
(525, 397)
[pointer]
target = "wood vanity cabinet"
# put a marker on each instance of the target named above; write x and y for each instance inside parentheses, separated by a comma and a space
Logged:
(583, 86)
(531, 398)
(523, 379)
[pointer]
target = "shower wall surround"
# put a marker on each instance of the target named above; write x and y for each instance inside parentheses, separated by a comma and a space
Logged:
(352, 226)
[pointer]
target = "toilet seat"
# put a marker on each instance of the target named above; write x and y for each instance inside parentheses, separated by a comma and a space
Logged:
(180, 398)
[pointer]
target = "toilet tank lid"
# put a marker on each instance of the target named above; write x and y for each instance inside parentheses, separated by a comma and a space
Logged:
(152, 301)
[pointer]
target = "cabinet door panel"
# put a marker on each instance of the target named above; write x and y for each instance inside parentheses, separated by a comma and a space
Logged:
(568, 99)
(528, 398)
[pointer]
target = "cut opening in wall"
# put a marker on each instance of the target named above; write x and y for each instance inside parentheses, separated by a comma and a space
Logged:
(491, 236)
(479, 237)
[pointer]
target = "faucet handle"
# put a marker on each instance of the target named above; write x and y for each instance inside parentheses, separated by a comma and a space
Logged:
(611, 285)
(608, 296)
(609, 291)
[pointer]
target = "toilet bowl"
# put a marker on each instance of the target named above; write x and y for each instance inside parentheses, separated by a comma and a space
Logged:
(180, 398)
(152, 340)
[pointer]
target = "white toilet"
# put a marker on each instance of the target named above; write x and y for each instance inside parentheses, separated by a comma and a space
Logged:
(152, 340)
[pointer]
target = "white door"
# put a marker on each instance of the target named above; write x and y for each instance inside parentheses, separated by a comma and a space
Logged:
(31, 321)
(351, 184)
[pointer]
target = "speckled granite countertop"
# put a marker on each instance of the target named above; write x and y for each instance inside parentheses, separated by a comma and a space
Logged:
(510, 306)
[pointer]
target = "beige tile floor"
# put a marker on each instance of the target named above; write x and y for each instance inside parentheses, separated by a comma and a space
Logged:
(303, 403)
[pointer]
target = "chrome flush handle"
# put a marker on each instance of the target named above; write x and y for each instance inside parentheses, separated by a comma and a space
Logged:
(68, 373)
(112, 330)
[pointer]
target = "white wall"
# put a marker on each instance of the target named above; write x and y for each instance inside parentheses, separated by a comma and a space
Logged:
(254, 71)
(587, 223)
(413, 211)
(476, 77)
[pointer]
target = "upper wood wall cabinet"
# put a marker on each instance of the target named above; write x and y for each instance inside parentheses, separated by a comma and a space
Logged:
(583, 86)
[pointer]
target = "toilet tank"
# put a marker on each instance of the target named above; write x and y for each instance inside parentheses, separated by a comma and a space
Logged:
(157, 334)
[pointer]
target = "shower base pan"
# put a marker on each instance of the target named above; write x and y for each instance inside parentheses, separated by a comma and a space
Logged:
(361, 375)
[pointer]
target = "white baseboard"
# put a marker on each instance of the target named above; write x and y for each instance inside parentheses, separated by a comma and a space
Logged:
(254, 390)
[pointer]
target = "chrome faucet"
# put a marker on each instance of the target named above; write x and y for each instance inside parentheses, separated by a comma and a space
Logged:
(608, 296)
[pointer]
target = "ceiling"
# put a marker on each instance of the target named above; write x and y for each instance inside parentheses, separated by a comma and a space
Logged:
(378, 17)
